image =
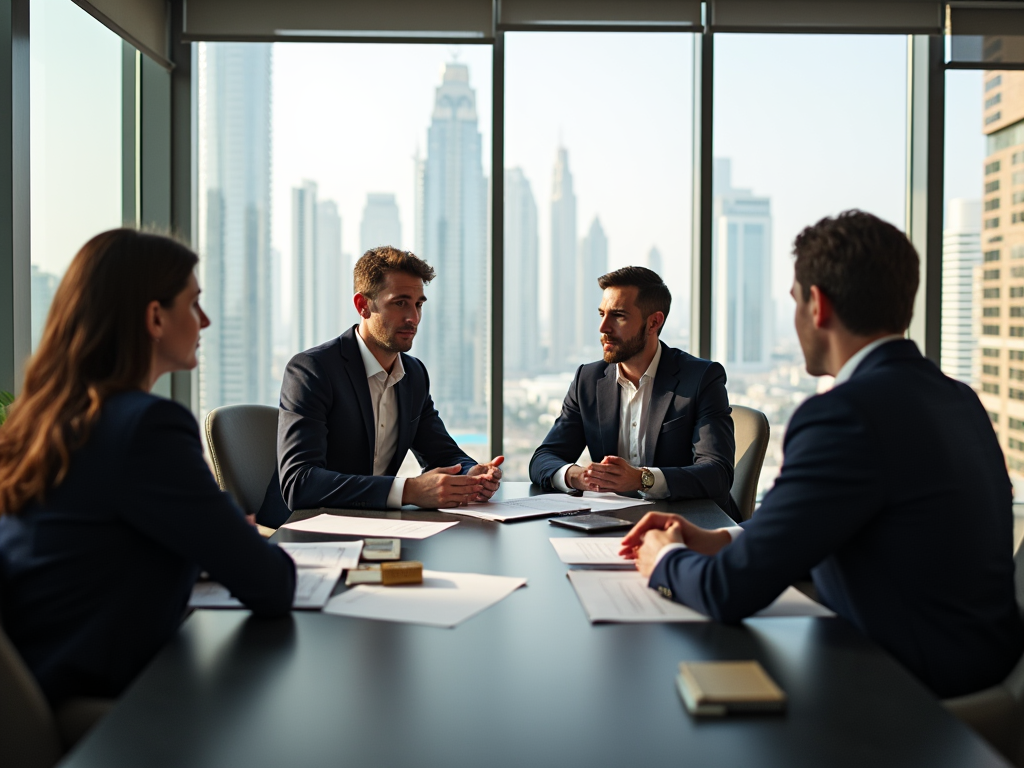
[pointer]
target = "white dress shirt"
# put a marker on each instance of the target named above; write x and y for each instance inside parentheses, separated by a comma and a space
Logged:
(634, 415)
(385, 415)
(848, 369)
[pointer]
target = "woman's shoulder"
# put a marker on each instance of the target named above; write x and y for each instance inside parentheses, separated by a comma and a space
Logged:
(127, 412)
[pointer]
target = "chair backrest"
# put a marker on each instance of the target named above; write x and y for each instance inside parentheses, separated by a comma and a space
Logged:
(28, 734)
(751, 428)
(243, 446)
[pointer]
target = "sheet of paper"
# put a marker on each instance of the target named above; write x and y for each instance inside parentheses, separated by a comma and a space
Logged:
(442, 600)
(369, 526)
(324, 554)
(313, 587)
(600, 503)
(590, 551)
(623, 596)
(522, 508)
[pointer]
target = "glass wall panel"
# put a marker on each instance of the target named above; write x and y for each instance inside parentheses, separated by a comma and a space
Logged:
(805, 126)
(76, 140)
(598, 175)
(309, 154)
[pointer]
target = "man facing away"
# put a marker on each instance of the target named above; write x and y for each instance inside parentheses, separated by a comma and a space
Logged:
(893, 492)
(654, 419)
(353, 407)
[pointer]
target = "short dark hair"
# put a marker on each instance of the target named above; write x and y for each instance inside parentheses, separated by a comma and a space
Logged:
(866, 267)
(373, 267)
(652, 294)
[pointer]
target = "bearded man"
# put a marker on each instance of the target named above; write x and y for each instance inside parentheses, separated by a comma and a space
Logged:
(654, 419)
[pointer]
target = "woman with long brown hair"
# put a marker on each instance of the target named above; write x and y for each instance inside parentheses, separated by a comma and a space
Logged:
(107, 508)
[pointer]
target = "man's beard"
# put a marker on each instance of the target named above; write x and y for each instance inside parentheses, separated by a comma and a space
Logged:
(629, 348)
(390, 343)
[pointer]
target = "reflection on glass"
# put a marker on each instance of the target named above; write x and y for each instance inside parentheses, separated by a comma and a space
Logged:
(75, 138)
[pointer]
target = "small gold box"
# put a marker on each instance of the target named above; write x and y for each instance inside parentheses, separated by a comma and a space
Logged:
(404, 572)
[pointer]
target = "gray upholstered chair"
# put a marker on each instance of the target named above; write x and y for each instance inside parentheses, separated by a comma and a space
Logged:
(997, 713)
(752, 433)
(243, 446)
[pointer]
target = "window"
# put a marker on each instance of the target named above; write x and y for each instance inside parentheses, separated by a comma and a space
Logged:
(993, 417)
(1017, 218)
(991, 223)
(990, 312)
(994, 82)
(990, 293)
(990, 370)
(1018, 197)
(1016, 330)
(988, 352)
(1017, 374)
(993, 274)
(1016, 354)
(585, 194)
(1018, 157)
(1015, 444)
(990, 330)
(992, 168)
(1015, 394)
(992, 186)
(1016, 311)
(992, 204)
(994, 117)
(993, 101)
(75, 70)
(1016, 424)
(1017, 178)
(1016, 272)
(991, 388)
(992, 255)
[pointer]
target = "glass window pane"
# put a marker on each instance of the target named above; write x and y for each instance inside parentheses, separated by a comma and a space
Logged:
(598, 175)
(75, 135)
(308, 155)
(805, 126)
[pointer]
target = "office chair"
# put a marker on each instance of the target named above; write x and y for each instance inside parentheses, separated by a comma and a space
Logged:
(752, 431)
(243, 446)
(997, 713)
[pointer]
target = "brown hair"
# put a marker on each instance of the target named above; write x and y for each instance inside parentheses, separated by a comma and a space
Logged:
(94, 345)
(373, 267)
(866, 267)
(652, 294)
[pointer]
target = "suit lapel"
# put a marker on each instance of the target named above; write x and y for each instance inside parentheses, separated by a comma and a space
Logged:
(608, 411)
(665, 383)
(357, 376)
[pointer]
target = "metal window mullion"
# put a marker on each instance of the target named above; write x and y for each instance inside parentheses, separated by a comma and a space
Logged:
(701, 263)
(496, 290)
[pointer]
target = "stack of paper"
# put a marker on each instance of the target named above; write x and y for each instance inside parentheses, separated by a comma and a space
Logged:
(544, 505)
(369, 526)
(318, 567)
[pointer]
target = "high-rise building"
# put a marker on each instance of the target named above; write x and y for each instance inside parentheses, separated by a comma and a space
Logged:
(380, 225)
(234, 223)
(592, 262)
(44, 285)
(563, 264)
(1000, 277)
(654, 262)
(741, 231)
(452, 201)
(332, 296)
(961, 253)
(522, 287)
(304, 264)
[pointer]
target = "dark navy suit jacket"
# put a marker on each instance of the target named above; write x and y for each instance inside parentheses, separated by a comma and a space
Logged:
(689, 433)
(96, 579)
(894, 494)
(325, 434)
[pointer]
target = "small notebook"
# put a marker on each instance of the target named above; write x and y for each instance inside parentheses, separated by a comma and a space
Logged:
(723, 687)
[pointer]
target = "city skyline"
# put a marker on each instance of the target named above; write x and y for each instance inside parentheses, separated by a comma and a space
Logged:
(961, 255)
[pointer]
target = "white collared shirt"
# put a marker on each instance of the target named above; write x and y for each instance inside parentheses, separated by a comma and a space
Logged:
(385, 415)
(848, 369)
(634, 416)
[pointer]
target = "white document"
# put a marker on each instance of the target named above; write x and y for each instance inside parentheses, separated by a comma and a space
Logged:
(600, 503)
(442, 600)
(623, 596)
(324, 554)
(369, 526)
(590, 551)
(545, 504)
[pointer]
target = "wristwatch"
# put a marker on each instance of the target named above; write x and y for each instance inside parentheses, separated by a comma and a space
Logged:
(646, 479)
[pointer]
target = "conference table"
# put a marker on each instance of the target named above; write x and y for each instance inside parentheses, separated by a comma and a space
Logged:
(527, 682)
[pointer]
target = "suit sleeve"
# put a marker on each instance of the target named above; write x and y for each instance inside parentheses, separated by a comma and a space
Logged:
(564, 442)
(827, 491)
(432, 445)
(714, 445)
(180, 507)
(306, 483)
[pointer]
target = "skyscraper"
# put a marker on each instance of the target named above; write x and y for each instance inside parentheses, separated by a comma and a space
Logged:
(380, 225)
(453, 205)
(741, 242)
(304, 264)
(44, 285)
(522, 353)
(563, 264)
(961, 253)
(332, 296)
(234, 223)
(592, 263)
(654, 262)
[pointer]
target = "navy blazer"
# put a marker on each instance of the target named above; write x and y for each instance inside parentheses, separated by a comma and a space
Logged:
(689, 433)
(894, 494)
(94, 580)
(326, 436)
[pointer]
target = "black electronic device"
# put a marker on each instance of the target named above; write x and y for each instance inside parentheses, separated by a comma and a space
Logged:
(592, 523)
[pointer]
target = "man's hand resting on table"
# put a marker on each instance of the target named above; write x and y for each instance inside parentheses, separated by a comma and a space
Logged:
(612, 474)
(489, 476)
(657, 529)
(442, 487)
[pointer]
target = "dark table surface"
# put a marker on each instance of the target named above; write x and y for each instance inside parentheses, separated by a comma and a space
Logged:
(528, 682)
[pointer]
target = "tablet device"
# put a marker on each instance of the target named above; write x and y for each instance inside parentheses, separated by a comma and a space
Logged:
(592, 523)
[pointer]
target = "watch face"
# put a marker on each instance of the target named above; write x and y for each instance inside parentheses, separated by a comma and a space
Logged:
(647, 479)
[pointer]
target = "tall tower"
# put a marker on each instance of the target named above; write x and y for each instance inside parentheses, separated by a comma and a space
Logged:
(234, 223)
(961, 254)
(452, 338)
(563, 264)
(522, 287)
(592, 263)
(655, 262)
(304, 266)
(741, 241)
(380, 225)
(332, 295)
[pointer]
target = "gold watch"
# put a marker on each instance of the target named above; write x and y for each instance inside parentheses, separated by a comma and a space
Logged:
(646, 479)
